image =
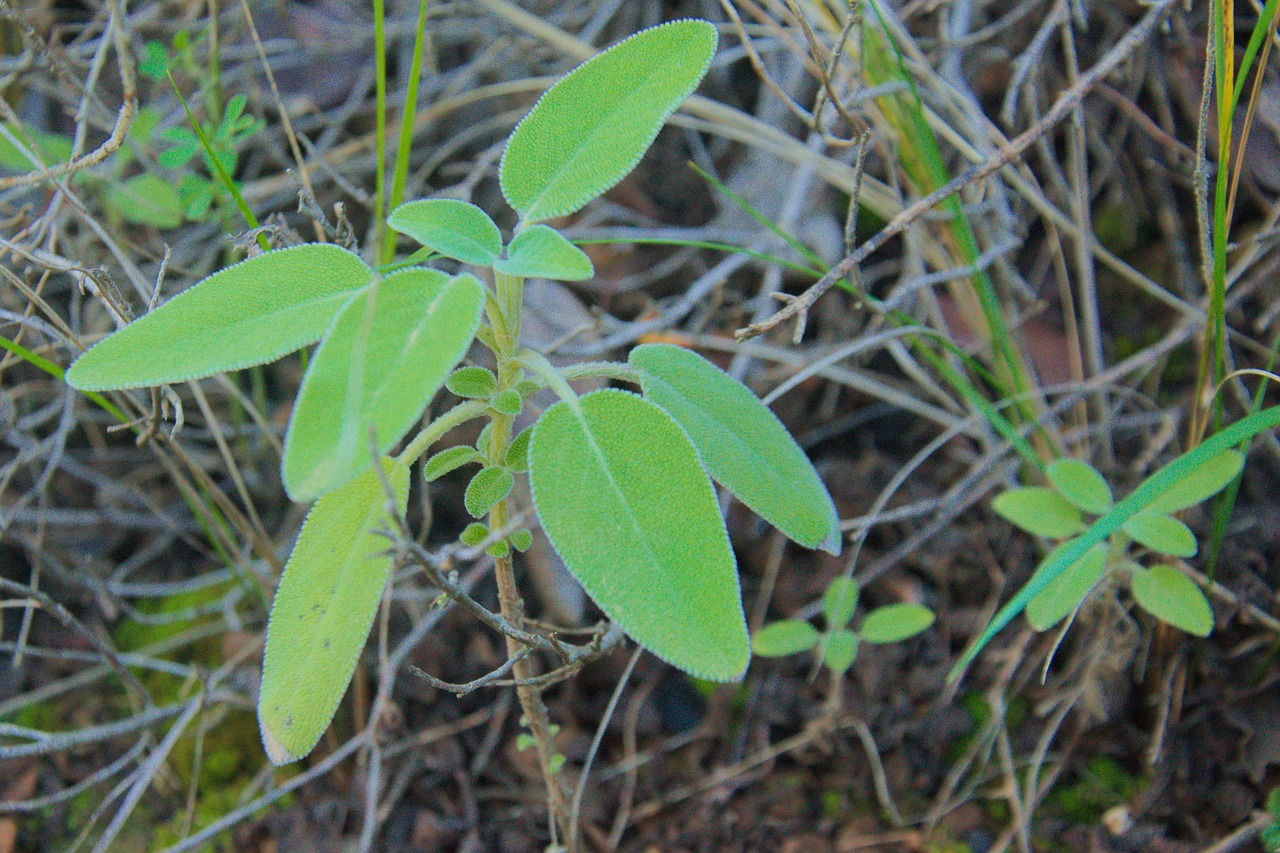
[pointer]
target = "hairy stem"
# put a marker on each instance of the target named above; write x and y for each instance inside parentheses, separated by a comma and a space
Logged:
(505, 320)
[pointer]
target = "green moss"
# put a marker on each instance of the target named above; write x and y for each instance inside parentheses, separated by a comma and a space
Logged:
(1102, 783)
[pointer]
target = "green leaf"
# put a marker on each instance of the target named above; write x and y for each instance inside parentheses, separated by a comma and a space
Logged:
(455, 229)
(52, 148)
(185, 146)
(1041, 512)
(895, 622)
(744, 445)
(507, 402)
(449, 459)
(521, 540)
(155, 63)
(1068, 589)
(473, 534)
(486, 488)
(1162, 533)
(249, 313)
(540, 252)
(472, 382)
(1081, 484)
(385, 357)
(147, 200)
(839, 602)
(590, 129)
(1204, 481)
(323, 608)
(782, 638)
(627, 505)
(1172, 597)
(499, 549)
(842, 648)
(1145, 496)
(518, 451)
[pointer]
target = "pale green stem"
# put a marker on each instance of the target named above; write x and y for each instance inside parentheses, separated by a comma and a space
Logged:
(459, 414)
(504, 312)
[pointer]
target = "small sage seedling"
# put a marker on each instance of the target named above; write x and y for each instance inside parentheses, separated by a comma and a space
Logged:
(621, 482)
(1174, 486)
(890, 624)
(1161, 590)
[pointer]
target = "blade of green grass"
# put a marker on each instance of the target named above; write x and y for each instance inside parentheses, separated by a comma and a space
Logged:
(56, 371)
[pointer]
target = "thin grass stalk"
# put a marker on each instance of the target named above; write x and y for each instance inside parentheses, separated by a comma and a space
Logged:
(380, 132)
(405, 143)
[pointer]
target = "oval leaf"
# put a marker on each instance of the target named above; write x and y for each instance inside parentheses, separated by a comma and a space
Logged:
(591, 127)
(895, 622)
(386, 356)
(625, 501)
(449, 459)
(249, 313)
(323, 608)
(540, 252)
(1042, 512)
(472, 382)
(1204, 481)
(507, 402)
(147, 199)
(1064, 592)
(455, 229)
(517, 458)
(1162, 533)
(782, 638)
(1081, 484)
(839, 602)
(486, 488)
(744, 445)
(1172, 597)
(842, 648)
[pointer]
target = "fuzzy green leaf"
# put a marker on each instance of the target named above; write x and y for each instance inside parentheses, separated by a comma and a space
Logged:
(1081, 484)
(249, 313)
(486, 488)
(1172, 597)
(1041, 512)
(147, 200)
(507, 401)
(386, 356)
(1162, 533)
(784, 637)
(625, 500)
(323, 608)
(895, 622)
(540, 252)
(839, 601)
(455, 229)
(472, 382)
(1068, 589)
(449, 459)
(518, 451)
(744, 445)
(473, 534)
(1202, 482)
(521, 540)
(590, 129)
(842, 648)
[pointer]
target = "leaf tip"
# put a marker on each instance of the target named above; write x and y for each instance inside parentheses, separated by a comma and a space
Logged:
(278, 754)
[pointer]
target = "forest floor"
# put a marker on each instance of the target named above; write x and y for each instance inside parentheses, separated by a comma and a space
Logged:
(133, 591)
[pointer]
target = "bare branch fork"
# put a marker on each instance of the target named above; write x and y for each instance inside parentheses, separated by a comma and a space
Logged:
(1061, 109)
